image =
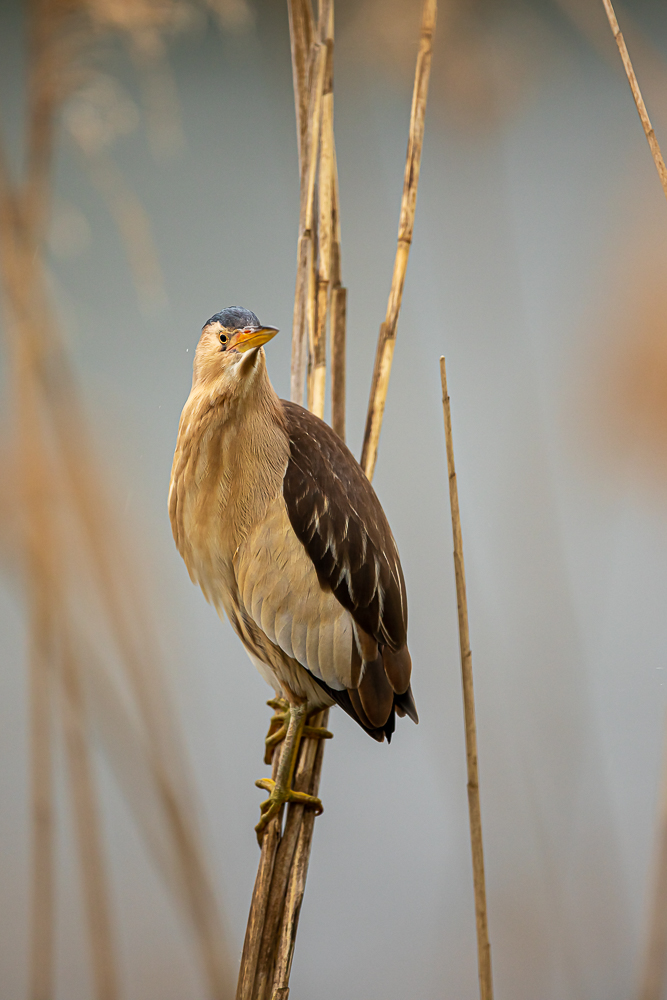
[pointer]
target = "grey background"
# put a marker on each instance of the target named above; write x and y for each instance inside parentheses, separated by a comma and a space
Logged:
(528, 228)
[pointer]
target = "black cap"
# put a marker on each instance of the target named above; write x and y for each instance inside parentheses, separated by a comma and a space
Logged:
(234, 318)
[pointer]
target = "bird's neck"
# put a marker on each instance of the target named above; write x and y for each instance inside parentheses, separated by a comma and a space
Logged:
(232, 455)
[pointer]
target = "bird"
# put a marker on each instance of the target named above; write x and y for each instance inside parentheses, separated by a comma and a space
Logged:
(281, 529)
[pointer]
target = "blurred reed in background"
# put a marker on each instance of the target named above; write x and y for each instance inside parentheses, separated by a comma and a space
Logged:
(95, 655)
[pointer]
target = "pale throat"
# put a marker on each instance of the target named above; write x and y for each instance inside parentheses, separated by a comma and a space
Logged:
(242, 452)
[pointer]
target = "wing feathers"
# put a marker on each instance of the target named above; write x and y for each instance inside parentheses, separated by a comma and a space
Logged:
(336, 515)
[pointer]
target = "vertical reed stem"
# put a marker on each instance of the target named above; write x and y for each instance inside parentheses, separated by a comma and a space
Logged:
(304, 306)
(260, 902)
(299, 870)
(387, 339)
(474, 809)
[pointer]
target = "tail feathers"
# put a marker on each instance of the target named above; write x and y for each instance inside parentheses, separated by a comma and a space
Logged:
(376, 693)
(405, 705)
(344, 699)
(351, 702)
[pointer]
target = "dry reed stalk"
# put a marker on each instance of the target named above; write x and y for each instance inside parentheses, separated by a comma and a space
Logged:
(325, 233)
(312, 770)
(260, 901)
(337, 325)
(304, 316)
(279, 886)
(387, 337)
(338, 304)
(586, 20)
(283, 870)
(308, 71)
(474, 809)
(636, 93)
(301, 38)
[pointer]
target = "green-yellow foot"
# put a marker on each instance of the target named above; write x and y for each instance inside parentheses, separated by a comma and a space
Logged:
(278, 796)
(291, 728)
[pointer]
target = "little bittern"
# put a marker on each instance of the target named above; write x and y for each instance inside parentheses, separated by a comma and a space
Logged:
(283, 532)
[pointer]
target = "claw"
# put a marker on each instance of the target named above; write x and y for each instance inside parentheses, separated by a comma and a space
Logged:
(277, 798)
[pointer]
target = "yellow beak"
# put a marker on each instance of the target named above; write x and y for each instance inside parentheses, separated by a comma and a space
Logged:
(245, 340)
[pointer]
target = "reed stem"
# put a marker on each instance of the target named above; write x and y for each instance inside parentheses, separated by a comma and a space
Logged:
(654, 146)
(387, 338)
(474, 808)
(319, 297)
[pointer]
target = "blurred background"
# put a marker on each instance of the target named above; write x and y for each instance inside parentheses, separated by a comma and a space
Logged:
(538, 269)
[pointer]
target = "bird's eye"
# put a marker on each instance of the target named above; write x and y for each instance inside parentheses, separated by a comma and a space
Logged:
(223, 338)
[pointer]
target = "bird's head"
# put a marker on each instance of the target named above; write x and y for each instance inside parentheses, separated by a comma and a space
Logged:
(229, 349)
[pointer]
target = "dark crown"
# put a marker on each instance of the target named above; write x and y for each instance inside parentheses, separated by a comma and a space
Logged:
(235, 318)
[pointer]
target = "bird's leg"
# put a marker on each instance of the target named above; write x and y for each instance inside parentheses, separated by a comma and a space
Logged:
(277, 727)
(280, 790)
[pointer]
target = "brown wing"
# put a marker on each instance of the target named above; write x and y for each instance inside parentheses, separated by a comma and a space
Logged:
(337, 516)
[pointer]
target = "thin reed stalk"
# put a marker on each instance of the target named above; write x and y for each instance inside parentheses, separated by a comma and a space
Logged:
(636, 93)
(387, 338)
(325, 233)
(305, 293)
(474, 808)
(338, 304)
